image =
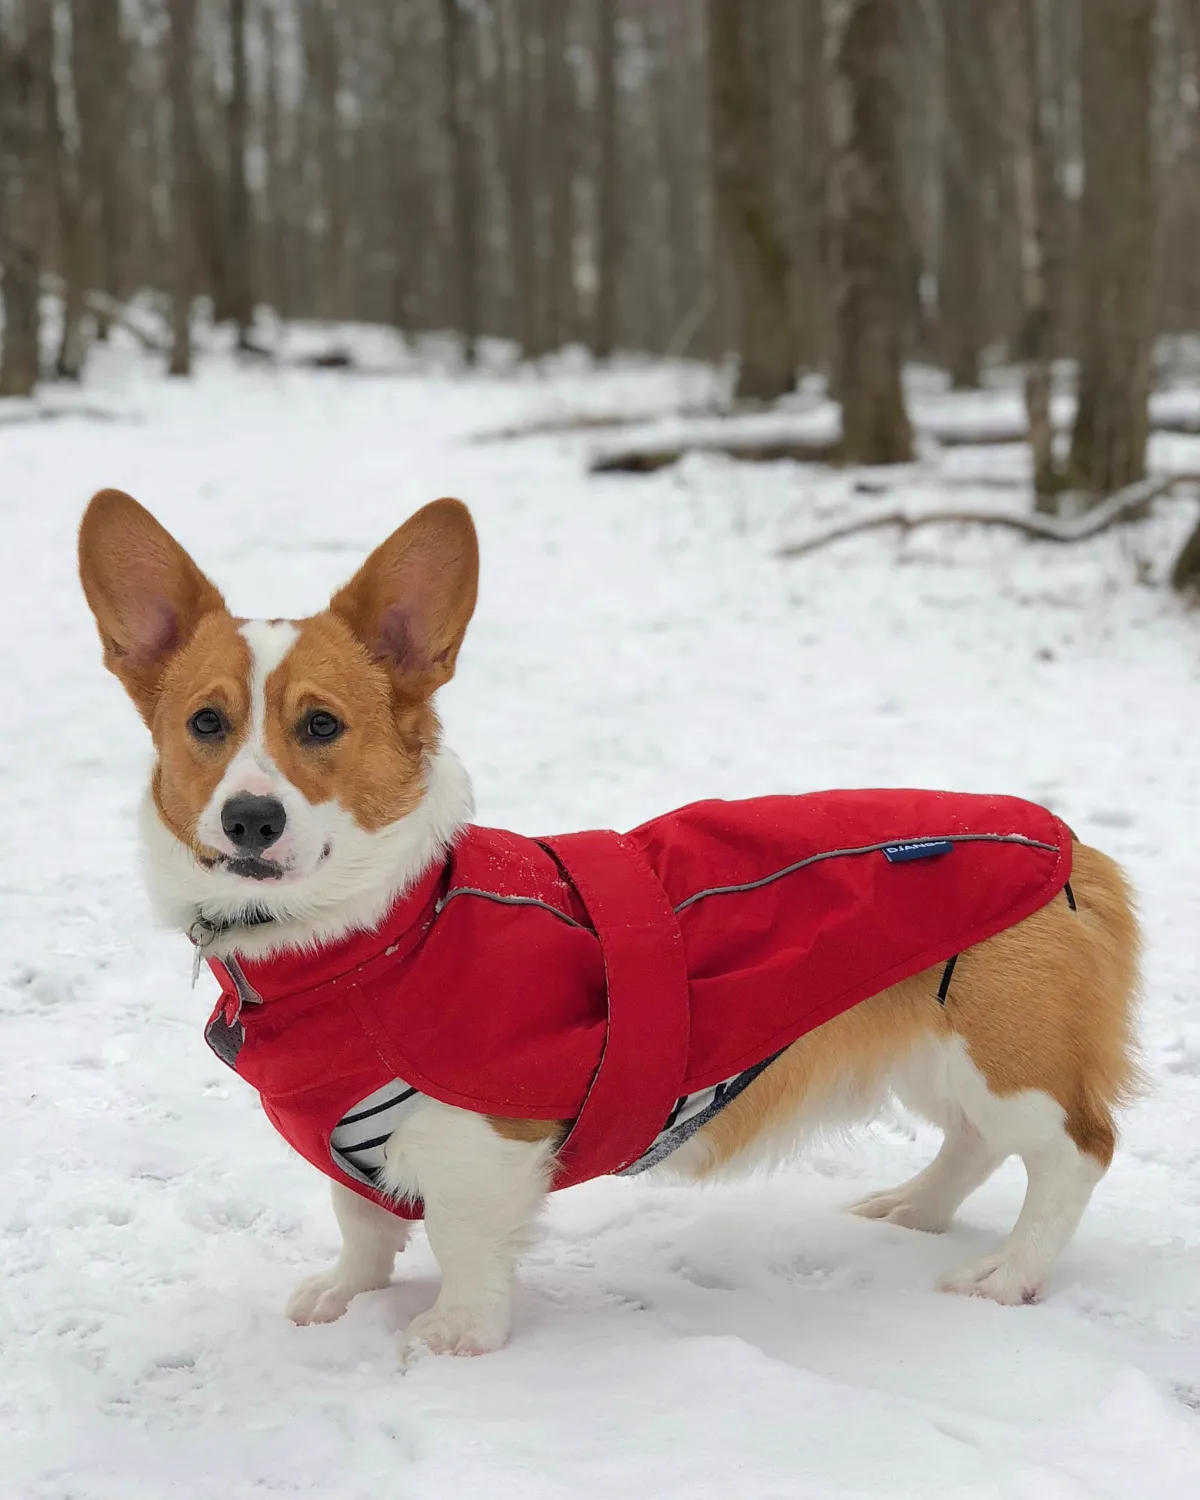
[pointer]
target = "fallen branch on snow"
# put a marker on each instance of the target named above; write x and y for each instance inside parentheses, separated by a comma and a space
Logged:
(646, 460)
(1116, 507)
(105, 306)
(31, 413)
(566, 424)
(999, 435)
(648, 456)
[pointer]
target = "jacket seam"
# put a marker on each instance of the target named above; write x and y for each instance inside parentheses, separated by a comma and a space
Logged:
(814, 859)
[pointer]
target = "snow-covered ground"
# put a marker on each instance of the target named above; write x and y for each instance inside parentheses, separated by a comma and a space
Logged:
(636, 646)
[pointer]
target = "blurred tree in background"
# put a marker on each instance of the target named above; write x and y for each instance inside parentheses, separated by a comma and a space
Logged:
(833, 187)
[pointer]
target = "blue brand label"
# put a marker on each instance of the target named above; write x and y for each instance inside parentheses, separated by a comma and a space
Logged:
(899, 854)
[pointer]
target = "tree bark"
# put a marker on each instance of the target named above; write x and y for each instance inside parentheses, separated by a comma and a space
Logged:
(557, 162)
(872, 235)
(608, 213)
(240, 255)
(813, 313)
(22, 89)
(66, 172)
(274, 268)
(518, 134)
(184, 154)
(323, 140)
(460, 145)
(1015, 41)
(960, 303)
(102, 89)
(739, 89)
(1117, 238)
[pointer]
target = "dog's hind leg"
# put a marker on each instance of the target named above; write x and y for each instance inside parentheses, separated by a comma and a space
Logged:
(1044, 1055)
(1061, 1181)
(930, 1200)
(371, 1238)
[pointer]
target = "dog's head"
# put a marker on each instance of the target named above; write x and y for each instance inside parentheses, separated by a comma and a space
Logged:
(298, 775)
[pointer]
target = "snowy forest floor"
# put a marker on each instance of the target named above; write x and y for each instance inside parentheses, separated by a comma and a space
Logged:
(636, 646)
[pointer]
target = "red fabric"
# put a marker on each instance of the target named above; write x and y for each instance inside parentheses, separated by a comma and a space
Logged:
(505, 1008)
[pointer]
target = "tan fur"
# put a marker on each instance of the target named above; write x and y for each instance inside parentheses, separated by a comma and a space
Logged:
(374, 769)
(1047, 1005)
(211, 671)
(530, 1131)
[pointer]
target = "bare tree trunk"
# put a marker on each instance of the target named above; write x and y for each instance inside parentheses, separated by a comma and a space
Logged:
(1055, 158)
(101, 86)
(22, 87)
(557, 133)
(516, 128)
(1015, 42)
(63, 168)
(323, 65)
(739, 86)
(608, 212)
(1108, 445)
(960, 305)
(274, 267)
(184, 153)
(240, 256)
(460, 141)
(872, 236)
(813, 320)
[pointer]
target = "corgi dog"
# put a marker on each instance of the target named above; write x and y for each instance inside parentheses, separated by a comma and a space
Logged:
(451, 1021)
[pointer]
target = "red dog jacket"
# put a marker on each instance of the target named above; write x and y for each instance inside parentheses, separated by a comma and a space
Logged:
(632, 984)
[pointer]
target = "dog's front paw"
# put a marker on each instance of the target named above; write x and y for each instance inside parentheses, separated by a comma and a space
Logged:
(997, 1277)
(324, 1298)
(450, 1329)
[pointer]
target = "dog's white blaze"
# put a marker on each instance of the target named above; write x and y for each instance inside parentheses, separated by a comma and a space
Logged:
(269, 642)
(252, 770)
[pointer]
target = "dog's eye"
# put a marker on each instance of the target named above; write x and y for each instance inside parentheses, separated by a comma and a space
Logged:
(207, 724)
(322, 726)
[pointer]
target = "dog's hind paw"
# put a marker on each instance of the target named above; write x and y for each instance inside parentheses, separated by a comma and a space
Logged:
(997, 1277)
(901, 1206)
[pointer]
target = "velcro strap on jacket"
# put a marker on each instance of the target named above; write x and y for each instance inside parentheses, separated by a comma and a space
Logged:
(641, 1070)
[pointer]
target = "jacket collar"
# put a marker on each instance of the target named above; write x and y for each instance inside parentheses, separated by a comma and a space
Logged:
(296, 970)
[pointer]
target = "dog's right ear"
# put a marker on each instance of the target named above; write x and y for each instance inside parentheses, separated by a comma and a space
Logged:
(146, 593)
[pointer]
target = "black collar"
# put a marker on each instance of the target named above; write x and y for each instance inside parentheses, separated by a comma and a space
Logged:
(204, 930)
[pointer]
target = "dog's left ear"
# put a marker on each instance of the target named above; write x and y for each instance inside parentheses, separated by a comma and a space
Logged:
(411, 601)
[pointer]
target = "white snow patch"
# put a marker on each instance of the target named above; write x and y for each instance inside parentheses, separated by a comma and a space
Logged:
(636, 646)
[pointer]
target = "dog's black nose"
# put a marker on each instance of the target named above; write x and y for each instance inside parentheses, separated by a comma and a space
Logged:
(252, 824)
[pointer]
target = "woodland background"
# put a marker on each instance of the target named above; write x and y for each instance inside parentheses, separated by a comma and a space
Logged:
(829, 187)
(532, 252)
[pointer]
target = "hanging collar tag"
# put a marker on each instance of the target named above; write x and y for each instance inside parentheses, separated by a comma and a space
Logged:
(201, 935)
(204, 932)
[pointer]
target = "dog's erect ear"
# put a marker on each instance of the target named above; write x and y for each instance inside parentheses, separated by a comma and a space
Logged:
(411, 601)
(147, 594)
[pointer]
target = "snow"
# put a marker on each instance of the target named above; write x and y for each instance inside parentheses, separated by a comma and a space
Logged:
(636, 646)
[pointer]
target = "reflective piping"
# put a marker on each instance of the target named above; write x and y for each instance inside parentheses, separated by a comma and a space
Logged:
(470, 890)
(815, 859)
